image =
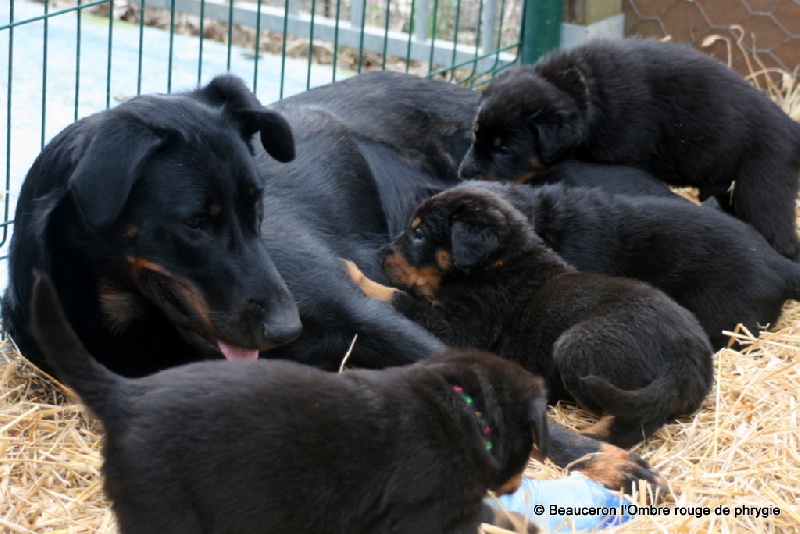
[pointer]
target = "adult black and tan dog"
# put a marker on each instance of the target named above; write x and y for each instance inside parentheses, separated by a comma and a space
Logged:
(716, 266)
(476, 274)
(146, 216)
(237, 446)
(171, 234)
(663, 107)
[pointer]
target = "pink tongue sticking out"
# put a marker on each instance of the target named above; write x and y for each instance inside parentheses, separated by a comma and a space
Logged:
(236, 353)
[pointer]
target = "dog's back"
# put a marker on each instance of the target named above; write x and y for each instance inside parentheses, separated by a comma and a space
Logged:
(714, 265)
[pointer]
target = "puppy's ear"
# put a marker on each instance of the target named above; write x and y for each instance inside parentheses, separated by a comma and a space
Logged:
(230, 92)
(472, 244)
(573, 82)
(557, 136)
(537, 417)
(110, 166)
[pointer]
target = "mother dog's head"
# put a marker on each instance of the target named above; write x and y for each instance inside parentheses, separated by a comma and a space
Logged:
(148, 215)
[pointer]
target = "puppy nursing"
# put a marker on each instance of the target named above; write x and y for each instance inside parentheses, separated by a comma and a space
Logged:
(662, 107)
(477, 275)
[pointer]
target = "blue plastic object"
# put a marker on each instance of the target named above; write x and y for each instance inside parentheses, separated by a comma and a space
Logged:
(569, 504)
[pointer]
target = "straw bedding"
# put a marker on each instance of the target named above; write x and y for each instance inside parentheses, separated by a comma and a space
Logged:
(740, 449)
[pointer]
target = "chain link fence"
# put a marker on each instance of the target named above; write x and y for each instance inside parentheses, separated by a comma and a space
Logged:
(738, 32)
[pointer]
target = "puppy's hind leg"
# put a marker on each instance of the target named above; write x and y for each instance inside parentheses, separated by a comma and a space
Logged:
(606, 372)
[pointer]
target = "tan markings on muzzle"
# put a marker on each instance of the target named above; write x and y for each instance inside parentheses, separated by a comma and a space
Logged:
(187, 291)
(370, 288)
(510, 486)
(424, 280)
(443, 260)
(131, 232)
(538, 171)
(120, 307)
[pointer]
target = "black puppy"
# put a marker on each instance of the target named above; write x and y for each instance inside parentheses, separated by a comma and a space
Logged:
(273, 446)
(665, 108)
(714, 265)
(162, 221)
(479, 276)
(146, 216)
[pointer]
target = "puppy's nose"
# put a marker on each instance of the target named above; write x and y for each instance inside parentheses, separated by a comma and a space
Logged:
(385, 252)
(467, 170)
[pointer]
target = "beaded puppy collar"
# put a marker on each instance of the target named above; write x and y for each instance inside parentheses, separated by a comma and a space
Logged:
(486, 430)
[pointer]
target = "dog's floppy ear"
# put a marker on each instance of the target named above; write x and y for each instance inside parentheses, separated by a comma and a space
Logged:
(110, 166)
(537, 417)
(557, 136)
(472, 243)
(276, 135)
(230, 92)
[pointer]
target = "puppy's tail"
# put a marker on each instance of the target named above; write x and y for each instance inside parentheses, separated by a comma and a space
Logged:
(98, 387)
(636, 414)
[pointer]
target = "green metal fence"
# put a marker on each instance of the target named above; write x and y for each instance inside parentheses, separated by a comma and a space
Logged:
(68, 58)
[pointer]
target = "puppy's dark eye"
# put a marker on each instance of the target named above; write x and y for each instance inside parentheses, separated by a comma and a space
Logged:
(195, 222)
(503, 150)
(417, 234)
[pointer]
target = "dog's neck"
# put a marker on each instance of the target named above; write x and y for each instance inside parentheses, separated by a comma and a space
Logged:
(486, 430)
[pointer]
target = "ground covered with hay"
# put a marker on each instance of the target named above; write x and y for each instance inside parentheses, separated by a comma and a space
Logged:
(740, 450)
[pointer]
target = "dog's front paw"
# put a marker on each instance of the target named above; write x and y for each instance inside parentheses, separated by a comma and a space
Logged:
(617, 469)
(370, 288)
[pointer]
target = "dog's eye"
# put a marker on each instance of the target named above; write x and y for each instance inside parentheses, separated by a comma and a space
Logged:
(503, 150)
(195, 222)
(417, 234)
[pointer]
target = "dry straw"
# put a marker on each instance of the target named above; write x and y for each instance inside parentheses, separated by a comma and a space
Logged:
(740, 450)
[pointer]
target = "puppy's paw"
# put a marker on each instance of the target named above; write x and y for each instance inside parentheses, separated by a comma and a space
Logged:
(617, 469)
(370, 288)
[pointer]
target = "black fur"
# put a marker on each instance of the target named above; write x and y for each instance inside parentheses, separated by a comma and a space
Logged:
(714, 265)
(146, 216)
(369, 149)
(139, 180)
(274, 446)
(618, 179)
(618, 346)
(662, 107)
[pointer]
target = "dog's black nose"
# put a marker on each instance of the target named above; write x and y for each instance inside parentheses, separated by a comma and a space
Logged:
(279, 322)
(279, 334)
(467, 172)
(385, 252)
